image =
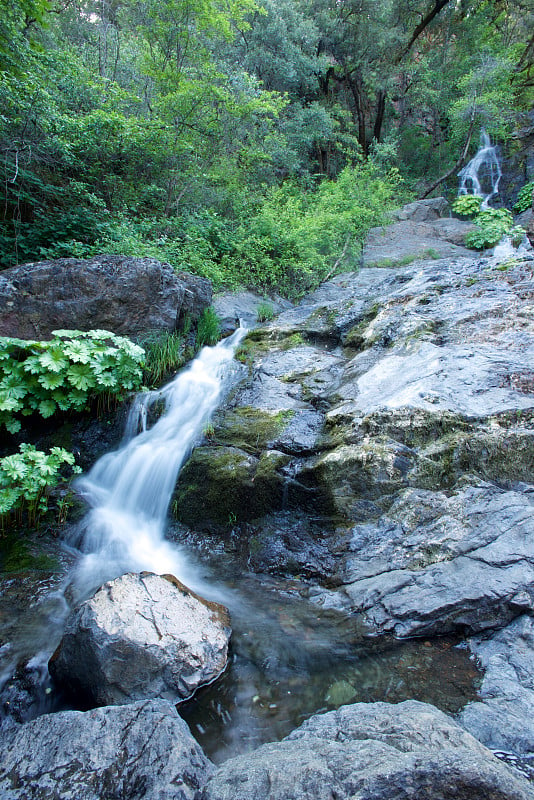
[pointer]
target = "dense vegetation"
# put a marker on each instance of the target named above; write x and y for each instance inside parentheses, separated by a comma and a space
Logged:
(251, 142)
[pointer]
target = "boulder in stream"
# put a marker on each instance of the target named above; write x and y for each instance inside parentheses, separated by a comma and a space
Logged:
(143, 750)
(141, 636)
(375, 751)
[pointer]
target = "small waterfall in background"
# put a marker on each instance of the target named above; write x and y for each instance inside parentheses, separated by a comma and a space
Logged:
(481, 176)
(130, 489)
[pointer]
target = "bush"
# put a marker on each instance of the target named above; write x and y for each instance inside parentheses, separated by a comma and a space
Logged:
(26, 479)
(492, 225)
(525, 198)
(467, 205)
(264, 312)
(65, 373)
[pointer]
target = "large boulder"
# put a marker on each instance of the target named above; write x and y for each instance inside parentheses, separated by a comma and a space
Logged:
(375, 751)
(141, 636)
(125, 295)
(143, 750)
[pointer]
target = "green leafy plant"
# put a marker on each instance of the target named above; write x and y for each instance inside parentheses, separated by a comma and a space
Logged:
(265, 312)
(26, 479)
(467, 205)
(65, 373)
(209, 328)
(525, 198)
(491, 226)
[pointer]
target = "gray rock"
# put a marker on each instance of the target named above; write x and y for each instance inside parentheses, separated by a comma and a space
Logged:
(438, 564)
(409, 240)
(125, 295)
(504, 719)
(143, 750)
(141, 636)
(374, 751)
(423, 210)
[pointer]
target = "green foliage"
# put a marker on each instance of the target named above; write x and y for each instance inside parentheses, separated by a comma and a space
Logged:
(164, 351)
(491, 226)
(26, 479)
(264, 312)
(208, 328)
(65, 373)
(467, 205)
(525, 198)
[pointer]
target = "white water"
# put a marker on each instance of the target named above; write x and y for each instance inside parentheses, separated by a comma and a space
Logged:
(481, 176)
(129, 490)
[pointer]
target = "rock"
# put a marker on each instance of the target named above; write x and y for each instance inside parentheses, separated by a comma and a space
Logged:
(439, 563)
(410, 240)
(504, 717)
(222, 484)
(141, 636)
(143, 750)
(423, 210)
(230, 308)
(375, 751)
(128, 296)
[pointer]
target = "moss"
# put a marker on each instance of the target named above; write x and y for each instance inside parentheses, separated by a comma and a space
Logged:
(17, 555)
(222, 484)
(355, 337)
(251, 429)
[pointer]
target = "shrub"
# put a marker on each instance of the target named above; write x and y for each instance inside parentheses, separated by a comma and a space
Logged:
(524, 198)
(467, 205)
(65, 373)
(492, 225)
(26, 479)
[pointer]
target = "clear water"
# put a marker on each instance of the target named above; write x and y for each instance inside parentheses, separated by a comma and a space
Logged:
(289, 658)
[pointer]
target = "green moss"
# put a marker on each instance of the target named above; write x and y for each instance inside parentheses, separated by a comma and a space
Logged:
(355, 337)
(222, 484)
(251, 429)
(16, 555)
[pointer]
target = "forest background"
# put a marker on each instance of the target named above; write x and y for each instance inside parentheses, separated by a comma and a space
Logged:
(251, 143)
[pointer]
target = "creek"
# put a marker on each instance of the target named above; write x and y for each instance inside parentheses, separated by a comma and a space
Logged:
(289, 658)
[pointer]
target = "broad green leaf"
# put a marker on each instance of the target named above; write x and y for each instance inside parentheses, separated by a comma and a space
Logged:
(47, 408)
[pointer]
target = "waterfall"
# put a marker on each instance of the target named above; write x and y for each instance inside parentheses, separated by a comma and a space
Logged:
(129, 490)
(482, 174)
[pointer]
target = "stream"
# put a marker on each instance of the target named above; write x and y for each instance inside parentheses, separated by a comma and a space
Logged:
(289, 658)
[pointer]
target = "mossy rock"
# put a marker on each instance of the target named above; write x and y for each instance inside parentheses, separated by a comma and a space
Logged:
(224, 485)
(250, 429)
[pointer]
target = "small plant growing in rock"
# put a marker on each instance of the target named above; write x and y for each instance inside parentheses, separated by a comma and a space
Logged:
(209, 328)
(467, 205)
(164, 355)
(265, 312)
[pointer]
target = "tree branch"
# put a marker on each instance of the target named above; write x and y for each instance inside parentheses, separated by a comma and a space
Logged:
(425, 22)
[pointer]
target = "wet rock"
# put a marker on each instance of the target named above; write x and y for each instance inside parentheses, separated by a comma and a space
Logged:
(411, 241)
(143, 750)
(439, 563)
(141, 636)
(227, 485)
(376, 751)
(125, 295)
(504, 717)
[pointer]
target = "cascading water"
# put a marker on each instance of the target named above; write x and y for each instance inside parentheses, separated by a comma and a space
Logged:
(482, 174)
(130, 489)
